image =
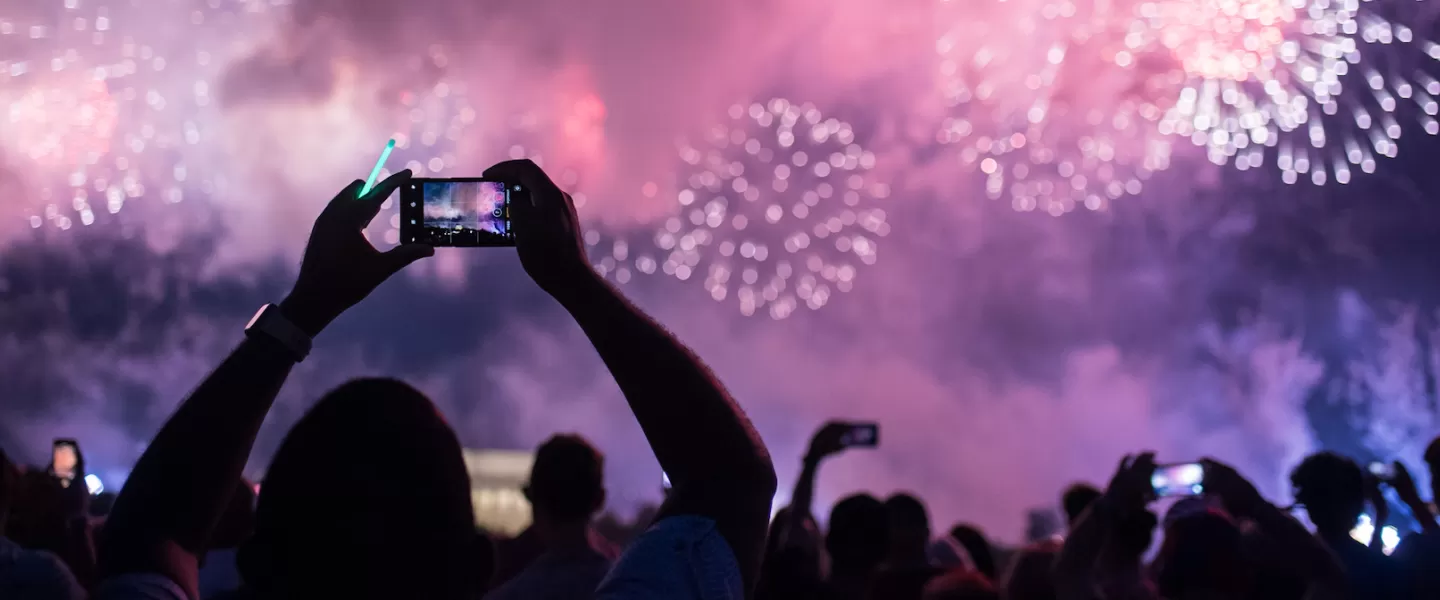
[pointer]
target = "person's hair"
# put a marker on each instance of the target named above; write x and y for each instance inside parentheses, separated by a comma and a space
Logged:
(1332, 489)
(1202, 552)
(567, 481)
(961, 584)
(368, 497)
(1077, 498)
(1028, 577)
(977, 546)
(859, 533)
(907, 512)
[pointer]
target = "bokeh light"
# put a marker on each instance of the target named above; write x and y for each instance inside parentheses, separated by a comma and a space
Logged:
(776, 213)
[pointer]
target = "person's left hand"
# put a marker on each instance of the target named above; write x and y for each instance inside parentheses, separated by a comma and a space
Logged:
(1130, 488)
(828, 440)
(1239, 496)
(340, 267)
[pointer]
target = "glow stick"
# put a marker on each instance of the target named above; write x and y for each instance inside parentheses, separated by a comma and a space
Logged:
(379, 164)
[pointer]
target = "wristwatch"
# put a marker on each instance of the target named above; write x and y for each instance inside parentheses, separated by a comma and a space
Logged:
(271, 323)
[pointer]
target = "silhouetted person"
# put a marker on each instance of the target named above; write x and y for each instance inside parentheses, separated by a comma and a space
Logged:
(1076, 499)
(1418, 555)
(982, 554)
(857, 541)
(793, 548)
(907, 566)
(28, 573)
(408, 531)
(565, 491)
(1028, 576)
(1332, 488)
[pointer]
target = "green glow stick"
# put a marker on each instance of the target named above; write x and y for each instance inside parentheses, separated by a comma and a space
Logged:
(379, 164)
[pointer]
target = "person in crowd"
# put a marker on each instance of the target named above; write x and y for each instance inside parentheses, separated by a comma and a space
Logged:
(565, 491)
(961, 584)
(28, 574)
(857, 542)
(1332, 488)
(792, 552)
(907, 565)
(1076, 499)
(982, 553)
(409, 532)
(1202, 553)
(1418, 555)
(219, 572)
(1028, 576)
(50, 515)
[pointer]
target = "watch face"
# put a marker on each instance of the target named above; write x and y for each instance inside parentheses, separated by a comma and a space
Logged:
(256, 319)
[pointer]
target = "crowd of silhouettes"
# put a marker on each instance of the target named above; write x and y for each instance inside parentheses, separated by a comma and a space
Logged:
(187, 526)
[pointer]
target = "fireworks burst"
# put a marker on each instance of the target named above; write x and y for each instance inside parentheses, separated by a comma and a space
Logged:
(100, 105)
(1039, 108)
(775, 212)
(1270, 76)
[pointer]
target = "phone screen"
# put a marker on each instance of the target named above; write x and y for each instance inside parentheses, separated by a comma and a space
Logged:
(1382, 470)
(457, 212)
(1186, 479)
(665, 480)
(64, 458)
(862, 435)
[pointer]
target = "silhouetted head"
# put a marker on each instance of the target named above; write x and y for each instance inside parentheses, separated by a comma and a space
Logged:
(1332, 489)
(961, 584)
(909, 528)
(567, 482)
(9, 487)
(859, 533)
(1202, 555)
(1076, 499)
(367, 497)
(977, 546)
(1028, 577)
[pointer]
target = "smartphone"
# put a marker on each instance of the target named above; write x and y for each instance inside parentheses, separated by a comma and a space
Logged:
(665, 480)
(1186, 479)
(65, 459)
(861, 435)
(466, 212)
(1385, 471)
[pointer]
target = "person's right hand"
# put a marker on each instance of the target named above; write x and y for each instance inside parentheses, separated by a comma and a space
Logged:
(1239, 496)
(827, 440)
(1404, 485)
(1130, 488)
(547, 230)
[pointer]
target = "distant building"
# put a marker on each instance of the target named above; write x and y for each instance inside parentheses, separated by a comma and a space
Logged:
(496, 480)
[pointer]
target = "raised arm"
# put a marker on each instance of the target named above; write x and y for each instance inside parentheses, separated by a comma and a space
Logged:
(1405, 488)
(187, 476)
(718, 466)
(1304, 552)
(1077, 570)
(826, 442)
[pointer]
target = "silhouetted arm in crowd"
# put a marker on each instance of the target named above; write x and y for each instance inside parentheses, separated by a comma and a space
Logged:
(718, 466)
(1376, 496)
(186, 478)
(826, 442)
(1405, 488)
(1078, 571)
(1304, 552)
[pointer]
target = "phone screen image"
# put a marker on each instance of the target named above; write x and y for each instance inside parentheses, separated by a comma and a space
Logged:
(64, 458)
(1382, 470)
(1178, 480)
(863, 435)
(457, 212)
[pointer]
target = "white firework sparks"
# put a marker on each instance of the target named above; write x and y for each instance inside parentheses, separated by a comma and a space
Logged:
(1278, 77)
(102, 105)
(1039, 107)
(776, 213)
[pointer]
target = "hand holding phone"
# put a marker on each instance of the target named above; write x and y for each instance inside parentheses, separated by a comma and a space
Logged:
(1382, 471)
(468, 212)
(1185, 479)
